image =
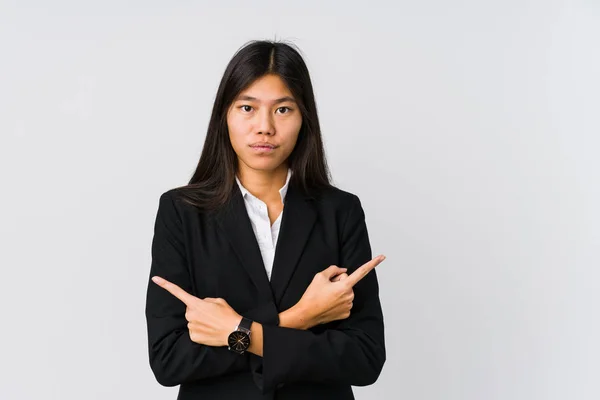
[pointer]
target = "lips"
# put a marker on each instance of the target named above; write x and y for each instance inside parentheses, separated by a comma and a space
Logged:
(263, 145)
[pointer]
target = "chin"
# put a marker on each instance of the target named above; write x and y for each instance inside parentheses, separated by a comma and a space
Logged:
(263, 165)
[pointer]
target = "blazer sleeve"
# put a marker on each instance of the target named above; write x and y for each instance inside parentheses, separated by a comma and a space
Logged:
(352, 352)
(174, 357)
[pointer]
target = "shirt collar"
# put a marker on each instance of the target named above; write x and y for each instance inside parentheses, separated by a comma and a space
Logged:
(282, 191)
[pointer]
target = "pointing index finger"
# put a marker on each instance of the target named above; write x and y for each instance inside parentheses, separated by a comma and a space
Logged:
(175, 290)
(363, 270)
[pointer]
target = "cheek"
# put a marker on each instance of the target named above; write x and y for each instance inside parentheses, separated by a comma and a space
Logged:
(236, 132)
(291, 132)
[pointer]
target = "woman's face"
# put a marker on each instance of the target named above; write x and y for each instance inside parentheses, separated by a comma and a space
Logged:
(264, 122)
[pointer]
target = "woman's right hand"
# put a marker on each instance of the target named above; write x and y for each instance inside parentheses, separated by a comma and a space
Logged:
(329, 297)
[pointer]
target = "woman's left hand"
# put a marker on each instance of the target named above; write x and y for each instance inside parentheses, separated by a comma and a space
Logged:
(210, 320)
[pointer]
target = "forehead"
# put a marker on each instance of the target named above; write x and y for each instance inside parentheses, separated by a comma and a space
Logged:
(267, 87)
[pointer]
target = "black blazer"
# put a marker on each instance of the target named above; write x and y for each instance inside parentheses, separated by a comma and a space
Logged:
(217, 255)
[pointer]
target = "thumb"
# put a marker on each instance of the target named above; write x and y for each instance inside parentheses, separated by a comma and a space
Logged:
(332, 271)
(339, 277)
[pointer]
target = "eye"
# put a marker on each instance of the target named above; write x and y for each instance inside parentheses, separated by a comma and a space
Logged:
(287, 110)
(245, 108)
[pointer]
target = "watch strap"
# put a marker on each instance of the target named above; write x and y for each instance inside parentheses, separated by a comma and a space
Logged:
(245, 323)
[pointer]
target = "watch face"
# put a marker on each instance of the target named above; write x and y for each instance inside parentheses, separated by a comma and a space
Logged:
(238, 341)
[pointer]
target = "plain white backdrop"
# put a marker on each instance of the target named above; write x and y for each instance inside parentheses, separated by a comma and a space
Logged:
(469, 129)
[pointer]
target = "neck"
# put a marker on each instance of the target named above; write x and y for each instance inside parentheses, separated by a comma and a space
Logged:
(263, 184)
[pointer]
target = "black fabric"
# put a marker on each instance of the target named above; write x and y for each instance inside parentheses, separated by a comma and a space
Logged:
(217, 255)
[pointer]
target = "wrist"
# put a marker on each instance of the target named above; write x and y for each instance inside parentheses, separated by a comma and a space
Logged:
(297, 317)
(256, 342)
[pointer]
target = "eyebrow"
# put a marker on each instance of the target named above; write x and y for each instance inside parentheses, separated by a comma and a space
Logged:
(276, 101)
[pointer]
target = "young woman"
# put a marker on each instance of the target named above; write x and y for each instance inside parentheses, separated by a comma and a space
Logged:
(262, 279)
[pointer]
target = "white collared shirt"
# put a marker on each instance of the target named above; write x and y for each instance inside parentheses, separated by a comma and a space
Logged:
(266, 234)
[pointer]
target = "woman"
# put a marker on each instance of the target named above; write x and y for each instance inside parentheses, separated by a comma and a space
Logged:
(263, 283)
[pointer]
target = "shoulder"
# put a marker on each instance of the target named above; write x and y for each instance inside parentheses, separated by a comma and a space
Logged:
(169, 197)
(172, 201)
(338, 196)
(339, 201)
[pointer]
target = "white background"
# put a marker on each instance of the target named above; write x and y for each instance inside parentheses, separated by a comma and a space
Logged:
(469, 129)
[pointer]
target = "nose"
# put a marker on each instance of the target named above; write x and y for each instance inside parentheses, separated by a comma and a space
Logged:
(264, 123)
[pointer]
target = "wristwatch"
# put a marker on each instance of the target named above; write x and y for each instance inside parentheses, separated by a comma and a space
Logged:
(239, 340)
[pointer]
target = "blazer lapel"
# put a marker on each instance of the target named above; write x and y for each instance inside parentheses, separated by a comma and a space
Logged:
(297, 221)
(235, 224)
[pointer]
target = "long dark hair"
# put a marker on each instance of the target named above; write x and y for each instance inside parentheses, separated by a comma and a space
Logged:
(212, 183)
